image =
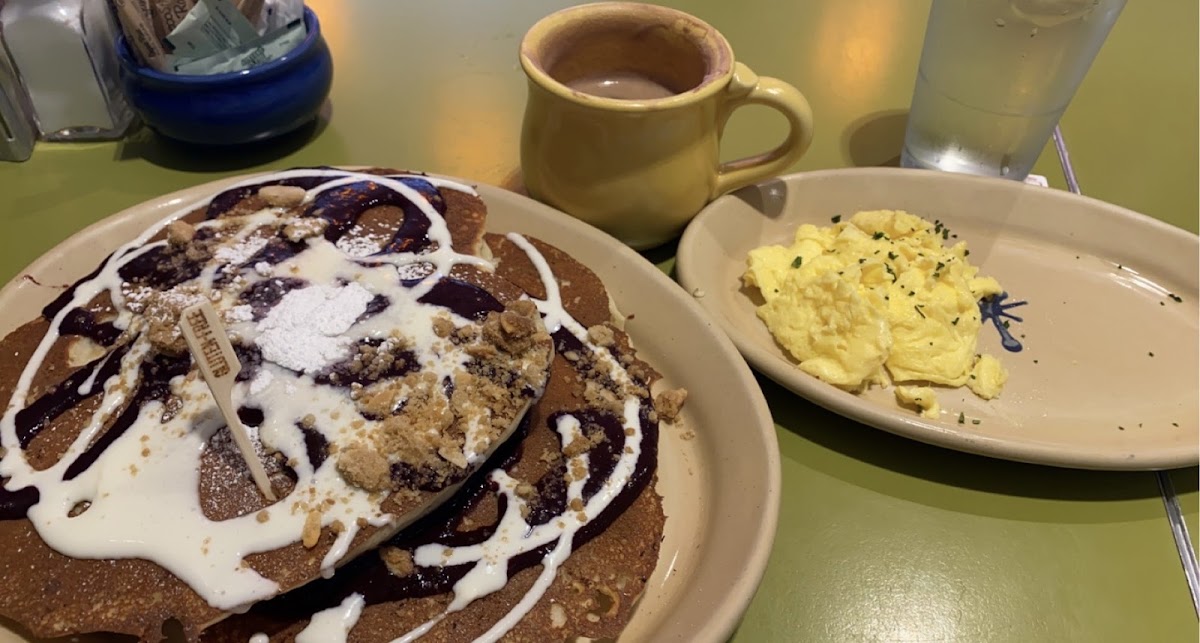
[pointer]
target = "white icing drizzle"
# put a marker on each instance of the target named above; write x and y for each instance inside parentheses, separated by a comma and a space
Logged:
(514, 536)
(85, 388)
(332, 625)
(143, 489)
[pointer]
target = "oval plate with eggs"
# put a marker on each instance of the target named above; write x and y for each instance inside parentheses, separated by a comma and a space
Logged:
(1098, 329)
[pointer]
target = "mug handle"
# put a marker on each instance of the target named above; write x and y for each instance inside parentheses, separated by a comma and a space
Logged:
(748, 88)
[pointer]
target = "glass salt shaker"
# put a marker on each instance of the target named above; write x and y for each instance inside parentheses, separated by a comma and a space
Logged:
(17, 133)
(64, 52)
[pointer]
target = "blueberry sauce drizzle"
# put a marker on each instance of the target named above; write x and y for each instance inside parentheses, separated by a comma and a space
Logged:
(315, 445)
(342, 206)
(82, 323)
(156, 374)
(227, 200)
(467, 300)
(64, 298)
(33, 418)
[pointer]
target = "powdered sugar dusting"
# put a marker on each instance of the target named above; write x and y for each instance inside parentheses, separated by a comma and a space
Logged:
(359, 246)
(178, 297)
(415, 270)
(304, 331)
(239, 313)
(240, 253)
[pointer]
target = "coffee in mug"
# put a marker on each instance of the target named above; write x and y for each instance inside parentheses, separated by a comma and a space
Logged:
(622, 85)
(626, 106)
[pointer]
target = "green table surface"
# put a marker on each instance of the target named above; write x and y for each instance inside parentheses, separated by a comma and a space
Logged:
(880, 538)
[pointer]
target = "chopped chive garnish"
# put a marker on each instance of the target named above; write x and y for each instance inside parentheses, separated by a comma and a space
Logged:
(954, 322)
(961, 418)
(797, 261)
(918, 309)
(878, 235)
(892, 255)
(1176, 298)
(975, 421)
(836, 218)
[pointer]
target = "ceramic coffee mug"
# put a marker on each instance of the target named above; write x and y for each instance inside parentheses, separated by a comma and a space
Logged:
(626, 107)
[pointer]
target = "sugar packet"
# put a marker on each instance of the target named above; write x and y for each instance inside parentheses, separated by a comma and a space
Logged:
(216, 36)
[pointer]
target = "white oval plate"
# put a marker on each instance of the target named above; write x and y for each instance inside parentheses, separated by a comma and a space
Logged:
(1108, 375)
(720, 489)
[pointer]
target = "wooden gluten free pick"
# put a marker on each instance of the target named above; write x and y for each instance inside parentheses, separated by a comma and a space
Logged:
(209, 344)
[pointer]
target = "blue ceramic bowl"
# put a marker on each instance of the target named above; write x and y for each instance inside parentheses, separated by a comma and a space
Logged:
(236, 107)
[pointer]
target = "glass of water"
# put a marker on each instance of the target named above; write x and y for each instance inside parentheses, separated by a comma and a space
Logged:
(995, 76)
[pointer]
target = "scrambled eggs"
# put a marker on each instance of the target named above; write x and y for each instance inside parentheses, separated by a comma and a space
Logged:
(921, 397)
(876, 296)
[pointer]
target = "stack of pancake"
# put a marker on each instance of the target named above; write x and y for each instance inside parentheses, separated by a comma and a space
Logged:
(461, 438)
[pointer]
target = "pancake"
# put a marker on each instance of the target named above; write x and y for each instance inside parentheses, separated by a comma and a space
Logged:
(553, 539)
(383, 364)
